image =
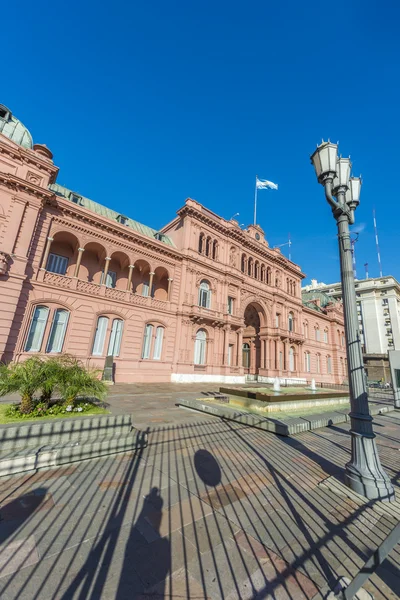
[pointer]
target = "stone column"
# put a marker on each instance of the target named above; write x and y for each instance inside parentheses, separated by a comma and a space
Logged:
(151, 284)
(128, 285)
(262, 364)
(78, 262)
(106, 265)
(46, 254)
(170, 280)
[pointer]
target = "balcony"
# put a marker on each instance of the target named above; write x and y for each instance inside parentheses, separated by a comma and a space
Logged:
(95, 289)
(285, 334)
(200, 313)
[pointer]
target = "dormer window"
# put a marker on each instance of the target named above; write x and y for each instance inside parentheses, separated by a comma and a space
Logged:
(159, 236)
(4, 113)
(75, 198)
(122, 219)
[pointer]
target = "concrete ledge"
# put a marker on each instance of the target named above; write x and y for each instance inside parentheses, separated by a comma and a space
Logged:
(30, 458)
(285, 426)
(58, 431)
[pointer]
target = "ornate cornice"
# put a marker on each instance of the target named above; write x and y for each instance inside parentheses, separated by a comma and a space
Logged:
(22, 185)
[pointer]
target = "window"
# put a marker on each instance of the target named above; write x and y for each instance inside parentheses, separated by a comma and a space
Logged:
(342, 340)
(57, 264)
(111, 279)
(201, 243)
(290, 322)
(305, 327)
(243, 263)
(317, 334)
(307, 362)
(145, 288)
(200, 347)
(100, 336)
(204, 295)
(246, 356)
(318, 363)
(277, 319)
(57, 331)
(385, 301)
(36, 330)
(148, 332)
(281, 360)
(114, 344)
(158, 343)
(230, 354)
(122, 219)
(325, 336)
(215, 249)
(291, 359)
(230, 305)
(329, 364)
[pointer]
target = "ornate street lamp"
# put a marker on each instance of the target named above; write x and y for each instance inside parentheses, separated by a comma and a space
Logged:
(364, 473)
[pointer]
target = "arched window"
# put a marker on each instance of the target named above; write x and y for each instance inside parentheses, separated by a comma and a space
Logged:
(325, 336)
(287, 285)
(317, 334)
(37, 328)
(100, 336)
(246, 356)
(215, 250)
(201, 243)
(262, 277)
(152, 342)
(269, 275)
(305, 329)
(291, 322)
(250, 266)
(291, 359)
(342, 339)
(204, 294)
(257, 270)
(318, 363)
(243, 263)
(158, 343)
(307, 362)
(148, 334)
(329, 364)
(338, 337)
(114, 344)
(57, 331)
(200, 346)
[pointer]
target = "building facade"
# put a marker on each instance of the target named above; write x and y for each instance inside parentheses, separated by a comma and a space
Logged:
(378, 306)
(199, 300)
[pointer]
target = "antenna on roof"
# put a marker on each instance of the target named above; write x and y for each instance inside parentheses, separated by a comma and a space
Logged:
(377, 245)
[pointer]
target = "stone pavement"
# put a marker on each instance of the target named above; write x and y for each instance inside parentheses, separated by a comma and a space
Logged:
(210, 509)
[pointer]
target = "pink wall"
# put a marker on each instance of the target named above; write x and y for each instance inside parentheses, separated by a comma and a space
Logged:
(34, 221)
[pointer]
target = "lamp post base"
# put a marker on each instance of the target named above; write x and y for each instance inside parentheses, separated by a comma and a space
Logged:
(364, 474)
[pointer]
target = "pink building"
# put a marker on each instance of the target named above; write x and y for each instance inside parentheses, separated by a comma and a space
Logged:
(200, 300)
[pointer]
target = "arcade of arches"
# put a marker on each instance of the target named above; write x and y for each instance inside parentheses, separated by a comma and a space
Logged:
(261, 350)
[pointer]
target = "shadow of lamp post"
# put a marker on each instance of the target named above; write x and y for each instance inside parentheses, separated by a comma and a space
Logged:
(364, 473)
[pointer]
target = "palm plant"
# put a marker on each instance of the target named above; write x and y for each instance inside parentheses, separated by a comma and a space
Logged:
(78, 381)
(26, 378)
(55, 368)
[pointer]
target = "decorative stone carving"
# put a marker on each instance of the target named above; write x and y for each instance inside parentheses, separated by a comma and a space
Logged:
(232, 257)
(34, 178)
(3, 263)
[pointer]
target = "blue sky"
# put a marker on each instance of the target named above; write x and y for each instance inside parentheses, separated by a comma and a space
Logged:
(146, 103)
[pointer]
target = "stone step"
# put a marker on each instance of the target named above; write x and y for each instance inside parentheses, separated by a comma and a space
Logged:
(31, 458)
(62, 430)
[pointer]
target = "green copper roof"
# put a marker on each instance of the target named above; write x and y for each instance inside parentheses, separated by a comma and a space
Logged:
(108, 213)
(14, 129)
(311, 295)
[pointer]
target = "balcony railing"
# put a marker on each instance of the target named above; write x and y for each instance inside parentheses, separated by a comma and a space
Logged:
(95, 289)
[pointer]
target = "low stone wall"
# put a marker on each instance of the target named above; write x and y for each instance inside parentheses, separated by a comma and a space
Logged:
(280, 398)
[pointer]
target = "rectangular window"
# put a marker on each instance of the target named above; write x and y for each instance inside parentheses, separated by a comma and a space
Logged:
(307, 362)
(230, 354)
(277, 319)
(281, 361)
(111, 279)
(57, 332)
(114, 344)
(36, 330)
(325, 337)
(100, 336)
(317, 335)
(385, 301)
(158, 343)
(148, 333)
(230, 305)
(57, 264)
(329, 364)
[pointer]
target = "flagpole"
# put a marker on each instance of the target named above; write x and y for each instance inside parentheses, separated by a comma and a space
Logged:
(255, 201)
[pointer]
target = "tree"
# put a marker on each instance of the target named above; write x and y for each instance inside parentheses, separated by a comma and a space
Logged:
(25, 378)
(78, 381)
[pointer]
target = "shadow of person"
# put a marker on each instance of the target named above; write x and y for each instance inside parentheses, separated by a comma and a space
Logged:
(207, 468)
(15, 544)
(147, 558)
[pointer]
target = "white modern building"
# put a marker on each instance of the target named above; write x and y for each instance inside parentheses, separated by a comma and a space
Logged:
(378, 304)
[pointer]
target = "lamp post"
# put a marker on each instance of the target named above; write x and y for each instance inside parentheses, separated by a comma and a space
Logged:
(364, 473)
